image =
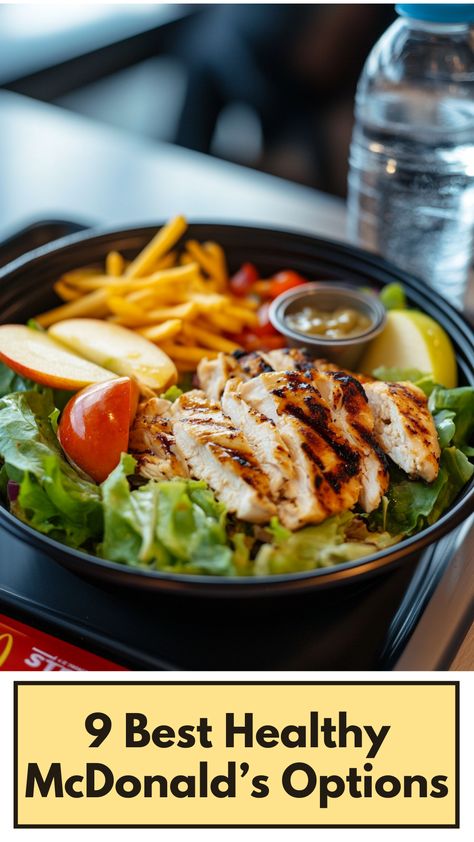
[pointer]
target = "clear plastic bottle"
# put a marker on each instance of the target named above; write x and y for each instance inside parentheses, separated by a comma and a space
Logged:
(411, 179)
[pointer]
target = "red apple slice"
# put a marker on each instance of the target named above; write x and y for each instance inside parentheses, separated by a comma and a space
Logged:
(118, 348)
(95, 424)
(37, 356)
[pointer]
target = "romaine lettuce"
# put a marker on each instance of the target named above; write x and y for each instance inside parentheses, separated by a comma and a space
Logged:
(53, 497)
(176, 526)
(343, 537)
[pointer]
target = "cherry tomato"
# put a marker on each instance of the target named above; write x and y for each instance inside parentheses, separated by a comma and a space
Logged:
(271, 343)
(249, 340)
(265, 327)
(283, 281)
(243, 280)
(95, 424)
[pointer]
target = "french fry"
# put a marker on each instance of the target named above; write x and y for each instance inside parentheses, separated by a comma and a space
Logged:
(91, 282)
(223, 321)
(189, 354)
(114, 264)
(185, 311)
(161, 332)
(202, 257)
(248, 303)
(247, 317)
(217, 253)
(177, 275)
(94, 305)
(77, 274)
(161, 243)
(127, 309)
(208, 339)
(66, 292)
(130, 315)
(208, 301)
(167, 262)
(179, 299)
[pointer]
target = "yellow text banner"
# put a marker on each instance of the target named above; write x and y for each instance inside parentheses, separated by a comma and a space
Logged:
(236, 754)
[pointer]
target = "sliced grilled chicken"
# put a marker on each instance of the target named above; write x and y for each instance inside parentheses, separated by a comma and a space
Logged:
(325, 365)
(214, 374)
(218, 453)
(152, 442)
(326, 466)
(404, 427)
(286, 359)
(243, 365)
(351, 413)
(251, 363)
(262, 435)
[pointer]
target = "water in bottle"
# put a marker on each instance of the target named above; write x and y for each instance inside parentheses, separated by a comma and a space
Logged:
(411, 180)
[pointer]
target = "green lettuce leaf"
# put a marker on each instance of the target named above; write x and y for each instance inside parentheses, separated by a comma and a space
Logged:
(12, 382)
(393, 297)
(459, 401)
(414, 504)
(344, 537)
(413, 375)
(176, 526)
(172, 394)
(53, 497)
(445, 427)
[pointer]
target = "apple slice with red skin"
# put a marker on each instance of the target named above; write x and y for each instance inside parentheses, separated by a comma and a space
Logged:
(95, 425)
(37, 356)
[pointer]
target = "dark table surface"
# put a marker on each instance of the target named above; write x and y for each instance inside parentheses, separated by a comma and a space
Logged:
(57, 165)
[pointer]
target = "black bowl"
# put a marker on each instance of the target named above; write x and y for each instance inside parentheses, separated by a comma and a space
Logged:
(26, 289)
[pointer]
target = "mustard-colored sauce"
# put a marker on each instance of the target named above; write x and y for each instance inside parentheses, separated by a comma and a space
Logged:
(342, 323)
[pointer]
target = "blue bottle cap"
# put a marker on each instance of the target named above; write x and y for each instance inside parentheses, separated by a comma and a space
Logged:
(438, 12)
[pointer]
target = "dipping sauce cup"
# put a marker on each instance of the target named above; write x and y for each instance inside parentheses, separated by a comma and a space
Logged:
(328, 297)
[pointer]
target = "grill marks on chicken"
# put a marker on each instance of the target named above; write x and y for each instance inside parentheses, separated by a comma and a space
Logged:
(325, 479)
(404, 427)
(275, 432)
(351, 413)
(217, 452)
(263, 436)
(152, 442)
(213, 374)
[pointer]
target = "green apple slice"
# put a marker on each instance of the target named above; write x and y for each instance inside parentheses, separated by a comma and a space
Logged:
(412, 339)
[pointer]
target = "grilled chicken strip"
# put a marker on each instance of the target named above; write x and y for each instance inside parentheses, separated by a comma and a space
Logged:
(351, 413)
(152, 442)
(326, 466)
(214, 374)
(325, 365)
(243, 365)
(404, 427)
(218, 453)
(263, 436)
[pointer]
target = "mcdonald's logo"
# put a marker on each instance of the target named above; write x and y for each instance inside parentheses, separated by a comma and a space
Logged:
(6, 643)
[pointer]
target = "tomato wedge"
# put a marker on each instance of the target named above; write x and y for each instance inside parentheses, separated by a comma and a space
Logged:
(95, 424)
(265, 327)
(249, 340)
(283, 281)
(243, 280)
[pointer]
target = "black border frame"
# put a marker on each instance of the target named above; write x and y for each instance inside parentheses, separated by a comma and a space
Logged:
(456, 825)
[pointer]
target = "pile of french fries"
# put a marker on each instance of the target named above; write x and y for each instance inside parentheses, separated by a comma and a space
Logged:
(179, 299)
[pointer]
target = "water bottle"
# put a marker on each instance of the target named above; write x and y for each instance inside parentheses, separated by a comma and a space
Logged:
(411, 177)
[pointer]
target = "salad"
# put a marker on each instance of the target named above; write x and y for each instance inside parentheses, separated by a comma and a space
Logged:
(163, 424)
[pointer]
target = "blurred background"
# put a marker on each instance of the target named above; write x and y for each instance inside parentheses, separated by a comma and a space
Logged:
(270, 87)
